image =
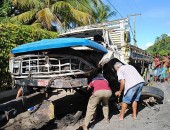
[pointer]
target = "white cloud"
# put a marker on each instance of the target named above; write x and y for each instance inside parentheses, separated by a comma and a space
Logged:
(145, 46)
(148, 45)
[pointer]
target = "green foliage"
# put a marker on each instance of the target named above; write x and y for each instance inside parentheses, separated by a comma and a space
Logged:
(5, 8)
(60, 14)
(13, 35)
(161, 45)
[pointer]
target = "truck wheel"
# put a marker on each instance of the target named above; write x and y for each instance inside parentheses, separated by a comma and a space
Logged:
(142, 70)
(3, 118)
(149, 91)
(147, 77)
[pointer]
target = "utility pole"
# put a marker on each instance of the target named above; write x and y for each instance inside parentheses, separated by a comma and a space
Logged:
(134, 26)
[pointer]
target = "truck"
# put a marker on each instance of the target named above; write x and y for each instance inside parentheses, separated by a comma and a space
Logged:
(69, 61)
(45, 60)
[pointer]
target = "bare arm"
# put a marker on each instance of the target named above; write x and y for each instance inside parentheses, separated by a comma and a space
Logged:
(19, 93)
(88, 87)
(162, 61)
(122, 85)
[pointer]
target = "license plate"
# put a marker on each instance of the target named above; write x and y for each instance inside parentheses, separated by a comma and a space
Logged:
(42, 82)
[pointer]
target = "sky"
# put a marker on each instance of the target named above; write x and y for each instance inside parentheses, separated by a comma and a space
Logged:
(153, 21)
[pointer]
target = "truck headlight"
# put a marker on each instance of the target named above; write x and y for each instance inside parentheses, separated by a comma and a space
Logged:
(16, 65)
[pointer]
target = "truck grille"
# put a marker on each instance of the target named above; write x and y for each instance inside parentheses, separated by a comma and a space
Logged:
(49, 65)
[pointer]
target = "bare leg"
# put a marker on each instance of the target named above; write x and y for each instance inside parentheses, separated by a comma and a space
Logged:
(19, 93)
(134, 108)
(105, 109)
(165, 80)
(84, 127)
(122, 112)
(156, 79)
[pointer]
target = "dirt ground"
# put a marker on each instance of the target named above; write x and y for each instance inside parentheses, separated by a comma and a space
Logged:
(147, 119)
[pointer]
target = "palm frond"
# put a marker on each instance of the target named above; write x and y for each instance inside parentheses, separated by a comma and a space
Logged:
(55, 13)
(28, 4)
(82, 17)
(94, 2)
(47, 18)
(47, 3)
(102, 13)
(70, 11)
(81, 5)
(37, 25)
(25, 17)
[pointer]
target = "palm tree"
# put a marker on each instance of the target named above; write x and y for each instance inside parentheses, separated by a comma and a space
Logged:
(97, 9)
(102, 13)
(59, 13)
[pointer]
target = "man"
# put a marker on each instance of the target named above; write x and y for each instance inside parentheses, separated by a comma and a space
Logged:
(132, 83)
(101, 93)
(157, 67)
(169, 67)
(22, 92)
(165, 62)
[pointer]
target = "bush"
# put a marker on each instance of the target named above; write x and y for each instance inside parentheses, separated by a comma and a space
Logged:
(12, 35)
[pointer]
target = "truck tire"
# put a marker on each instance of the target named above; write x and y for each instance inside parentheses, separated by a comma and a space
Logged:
(149, 91)
(142, 70)
(147, 77)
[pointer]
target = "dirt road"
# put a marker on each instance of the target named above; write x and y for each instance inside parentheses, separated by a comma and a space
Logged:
(148, 118)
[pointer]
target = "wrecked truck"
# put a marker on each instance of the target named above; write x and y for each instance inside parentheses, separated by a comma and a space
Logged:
(75, 54)
(70, 61)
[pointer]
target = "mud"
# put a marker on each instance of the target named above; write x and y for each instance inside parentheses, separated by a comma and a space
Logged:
(70, 112)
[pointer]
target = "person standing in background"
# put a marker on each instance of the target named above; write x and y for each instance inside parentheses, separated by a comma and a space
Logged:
(169, 67)
(157, 67)
(165, 63)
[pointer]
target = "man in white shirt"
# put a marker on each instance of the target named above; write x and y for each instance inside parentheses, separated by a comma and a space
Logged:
(132, 83)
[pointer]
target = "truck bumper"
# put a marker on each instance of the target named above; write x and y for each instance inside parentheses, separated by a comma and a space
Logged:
(53, 83)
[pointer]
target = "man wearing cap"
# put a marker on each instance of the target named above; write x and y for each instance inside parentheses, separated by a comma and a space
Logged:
(132, 83)
(101, 93)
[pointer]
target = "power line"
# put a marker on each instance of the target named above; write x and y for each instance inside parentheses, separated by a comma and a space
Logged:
(114, 8)
(119, 7)
(83, 4)
(129, 5)
(134, 16)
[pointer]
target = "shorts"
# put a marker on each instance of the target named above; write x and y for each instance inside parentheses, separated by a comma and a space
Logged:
(164, 72)
(157, 72)
(133, 94)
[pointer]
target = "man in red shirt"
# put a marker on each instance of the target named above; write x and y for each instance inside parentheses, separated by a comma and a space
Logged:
(101, 92)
